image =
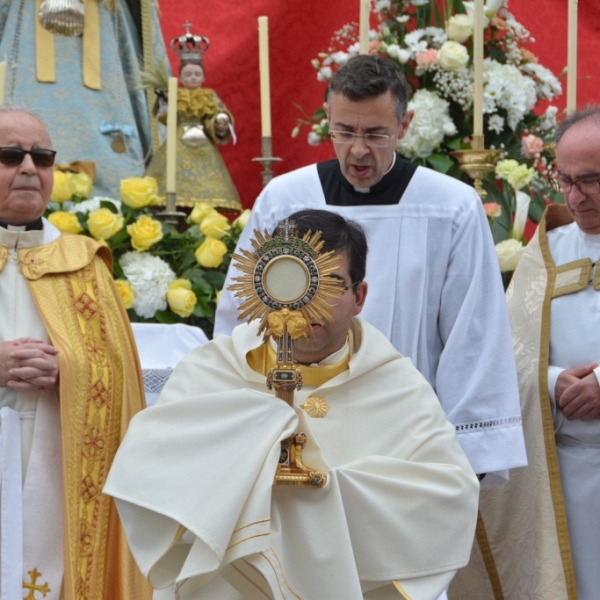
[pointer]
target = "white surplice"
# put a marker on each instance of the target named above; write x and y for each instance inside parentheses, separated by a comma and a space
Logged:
(435, 292)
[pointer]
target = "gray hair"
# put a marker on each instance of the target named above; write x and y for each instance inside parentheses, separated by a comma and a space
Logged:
(366, 76)
(13, 108)
(590, 113)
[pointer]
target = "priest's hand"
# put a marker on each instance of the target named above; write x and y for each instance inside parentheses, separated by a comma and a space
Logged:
(28, 365)
(577, 393)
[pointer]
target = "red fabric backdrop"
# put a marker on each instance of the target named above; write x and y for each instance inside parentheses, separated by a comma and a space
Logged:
(298, 30)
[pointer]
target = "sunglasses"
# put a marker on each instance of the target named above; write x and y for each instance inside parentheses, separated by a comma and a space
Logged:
(13, 157)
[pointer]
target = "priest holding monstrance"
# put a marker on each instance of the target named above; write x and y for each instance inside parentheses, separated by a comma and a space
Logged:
(268, 469)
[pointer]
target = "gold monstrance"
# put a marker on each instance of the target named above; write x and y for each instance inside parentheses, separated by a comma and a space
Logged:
(286, 284)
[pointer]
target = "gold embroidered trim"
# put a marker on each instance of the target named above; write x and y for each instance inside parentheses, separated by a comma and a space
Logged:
(252, 582)
(488, 558)
(250, 525)
(263, 359)
(3, 257)
(548, 422)
(566, 279)
(246, 539)
(277, 574)
(401, 590)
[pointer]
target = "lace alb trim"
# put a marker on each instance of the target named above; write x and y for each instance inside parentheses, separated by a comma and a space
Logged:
(155, 379)
(491, 424)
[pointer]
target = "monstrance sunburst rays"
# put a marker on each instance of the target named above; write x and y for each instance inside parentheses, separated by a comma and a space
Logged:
(285, 271)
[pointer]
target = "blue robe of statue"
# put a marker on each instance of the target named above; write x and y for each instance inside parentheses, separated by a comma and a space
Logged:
(84, 123)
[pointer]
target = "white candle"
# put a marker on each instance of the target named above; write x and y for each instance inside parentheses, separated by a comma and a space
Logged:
(478, 68)
(572, 58)
(171, 135)
(265, 85)
(2, 81)
(363, 29)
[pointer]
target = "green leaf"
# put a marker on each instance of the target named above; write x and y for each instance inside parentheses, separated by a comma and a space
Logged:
(440, 162)
(110, 206)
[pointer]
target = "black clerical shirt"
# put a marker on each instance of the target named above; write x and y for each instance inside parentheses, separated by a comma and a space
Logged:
(339, 191)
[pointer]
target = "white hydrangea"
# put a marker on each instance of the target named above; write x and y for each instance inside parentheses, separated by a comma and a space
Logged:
(506, 87)
(429, 126)
(547, 85)
(547, 121)
(93, 204)
(415, 43)
(149, 276)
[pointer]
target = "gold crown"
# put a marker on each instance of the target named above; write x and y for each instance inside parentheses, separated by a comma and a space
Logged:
(190, 46)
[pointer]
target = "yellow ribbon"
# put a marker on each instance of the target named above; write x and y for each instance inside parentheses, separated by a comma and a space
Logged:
(44, 47)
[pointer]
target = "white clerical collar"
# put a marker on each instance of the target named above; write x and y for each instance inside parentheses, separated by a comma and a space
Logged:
(16, 237)
(590, 239)
(367, 190)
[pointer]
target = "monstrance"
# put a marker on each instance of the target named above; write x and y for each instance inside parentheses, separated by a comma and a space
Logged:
(286, 283)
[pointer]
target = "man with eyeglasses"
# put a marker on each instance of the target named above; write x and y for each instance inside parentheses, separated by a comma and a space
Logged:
(543, 527)
(69, 383)
(434, 286)
(397, 514)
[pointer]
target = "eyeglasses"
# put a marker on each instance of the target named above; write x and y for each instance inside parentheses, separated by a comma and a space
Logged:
(13, 157)
(343, 289)
(585, 186)
(373, 140)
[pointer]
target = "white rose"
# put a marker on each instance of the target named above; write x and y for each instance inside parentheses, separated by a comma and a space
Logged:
(453, 56)
(509, 254)
(459, 28)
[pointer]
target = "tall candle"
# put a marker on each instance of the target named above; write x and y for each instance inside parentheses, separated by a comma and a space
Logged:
(171, 135)
(265, 85)
(478, 68)
(572, 58)
(2, 81)
(363, 29)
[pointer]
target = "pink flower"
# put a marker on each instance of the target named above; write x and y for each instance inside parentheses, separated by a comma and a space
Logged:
(531, 145)
(427, 58)
(492, 209)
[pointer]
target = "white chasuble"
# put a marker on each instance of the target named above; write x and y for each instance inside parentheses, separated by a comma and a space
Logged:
(193, 480)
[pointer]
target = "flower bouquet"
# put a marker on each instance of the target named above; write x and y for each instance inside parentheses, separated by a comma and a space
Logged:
(432, 42)
(162, 274)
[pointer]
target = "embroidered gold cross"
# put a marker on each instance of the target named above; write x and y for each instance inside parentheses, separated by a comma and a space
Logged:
(33, 588)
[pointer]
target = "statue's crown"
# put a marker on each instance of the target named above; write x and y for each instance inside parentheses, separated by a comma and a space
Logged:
(190, 46)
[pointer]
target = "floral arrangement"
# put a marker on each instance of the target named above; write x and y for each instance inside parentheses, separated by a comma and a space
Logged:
(162, 274)
(432, 42)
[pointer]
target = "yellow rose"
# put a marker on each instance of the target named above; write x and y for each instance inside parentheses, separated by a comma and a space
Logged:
(138, 192)
(215, 225)
(509, 254)
(180, 297)
(103, 223)
(218, 297)
(65, 221)
(126, 292)
(62, 189)
(81, 184)
(210, 253)
(145, 232)
(200, 210)
(459, 28)
(453, 56)
(242, 220)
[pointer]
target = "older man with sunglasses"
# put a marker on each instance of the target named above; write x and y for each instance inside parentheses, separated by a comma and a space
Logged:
(69, 383)
(435, 288)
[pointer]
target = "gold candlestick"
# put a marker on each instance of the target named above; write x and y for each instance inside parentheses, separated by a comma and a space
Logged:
(267, 159)
(477, 162)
